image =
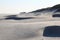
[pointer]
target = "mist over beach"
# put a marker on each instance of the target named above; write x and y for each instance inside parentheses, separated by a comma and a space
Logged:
(31, 25)
(29, 19)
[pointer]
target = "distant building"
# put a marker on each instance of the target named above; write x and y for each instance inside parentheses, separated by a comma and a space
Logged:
(22, 13)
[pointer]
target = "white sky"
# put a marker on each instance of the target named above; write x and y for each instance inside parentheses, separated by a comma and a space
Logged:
(16, 6)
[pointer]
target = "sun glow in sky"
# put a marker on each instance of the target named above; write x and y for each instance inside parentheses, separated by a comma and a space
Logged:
(16, 6)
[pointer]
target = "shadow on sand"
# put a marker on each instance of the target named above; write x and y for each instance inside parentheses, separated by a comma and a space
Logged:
(56, 15)
(16, 18)
(52, 31)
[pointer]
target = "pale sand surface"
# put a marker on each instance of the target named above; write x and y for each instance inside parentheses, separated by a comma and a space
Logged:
(29, 29)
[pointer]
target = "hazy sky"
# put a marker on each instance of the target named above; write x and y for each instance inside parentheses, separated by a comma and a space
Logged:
(16, 6)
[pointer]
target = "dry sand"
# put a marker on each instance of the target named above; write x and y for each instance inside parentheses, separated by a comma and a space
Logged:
(29, 29)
